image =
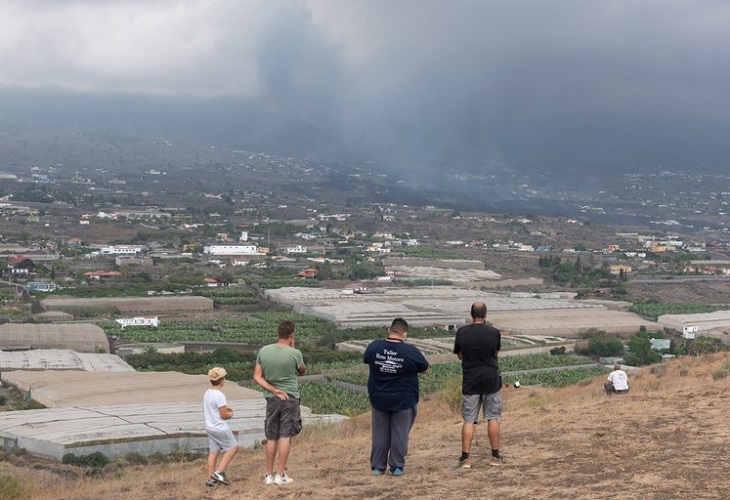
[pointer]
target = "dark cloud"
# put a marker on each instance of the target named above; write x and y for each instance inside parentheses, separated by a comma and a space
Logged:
(470, 84)
(431, 85)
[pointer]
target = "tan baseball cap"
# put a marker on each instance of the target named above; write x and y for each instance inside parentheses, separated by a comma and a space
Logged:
(217, 373)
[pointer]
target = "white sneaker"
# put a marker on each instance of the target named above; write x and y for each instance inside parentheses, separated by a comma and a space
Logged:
(268, 479)
(285, 479)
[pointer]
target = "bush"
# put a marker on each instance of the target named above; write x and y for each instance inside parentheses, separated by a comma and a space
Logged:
(11, 488)
(723, 372)
(134, 458)
(451, 397)
(658, 370)
(697, 346)
(96, 460)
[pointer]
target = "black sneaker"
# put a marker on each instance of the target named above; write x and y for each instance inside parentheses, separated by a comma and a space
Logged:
(220, 477)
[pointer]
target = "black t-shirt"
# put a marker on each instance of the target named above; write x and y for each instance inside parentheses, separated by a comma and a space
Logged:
(478, 345)
(393, 380)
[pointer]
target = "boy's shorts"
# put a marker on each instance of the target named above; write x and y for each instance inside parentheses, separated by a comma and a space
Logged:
(221, 439)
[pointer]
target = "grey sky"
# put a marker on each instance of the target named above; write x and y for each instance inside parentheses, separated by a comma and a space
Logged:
(421, 81)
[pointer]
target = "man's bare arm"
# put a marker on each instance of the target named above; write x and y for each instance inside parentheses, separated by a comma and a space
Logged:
(258, 377)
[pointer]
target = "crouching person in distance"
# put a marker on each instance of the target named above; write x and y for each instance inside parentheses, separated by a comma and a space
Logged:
(618, 381)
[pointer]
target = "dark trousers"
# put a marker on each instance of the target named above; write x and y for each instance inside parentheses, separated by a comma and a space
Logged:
(390, 437)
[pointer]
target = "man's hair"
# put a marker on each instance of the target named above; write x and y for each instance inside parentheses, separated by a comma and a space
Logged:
(286, 328)
(399, 325)
(617, 366)
(478, 310)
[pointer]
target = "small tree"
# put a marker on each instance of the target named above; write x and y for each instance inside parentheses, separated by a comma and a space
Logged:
(640, 351)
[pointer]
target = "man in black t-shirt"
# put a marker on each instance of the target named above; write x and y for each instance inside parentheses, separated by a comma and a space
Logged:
(477, 346)
(393, 392)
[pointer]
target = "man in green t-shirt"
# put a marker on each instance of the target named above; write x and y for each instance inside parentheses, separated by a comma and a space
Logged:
(276, 371)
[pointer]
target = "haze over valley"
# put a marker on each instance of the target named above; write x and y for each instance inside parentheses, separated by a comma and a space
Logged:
(177, 178)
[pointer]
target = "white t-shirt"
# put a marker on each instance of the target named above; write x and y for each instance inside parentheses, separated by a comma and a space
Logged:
(619, 379)
(212, 401)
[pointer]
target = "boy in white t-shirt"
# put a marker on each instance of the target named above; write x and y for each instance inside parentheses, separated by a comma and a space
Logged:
(220, 437)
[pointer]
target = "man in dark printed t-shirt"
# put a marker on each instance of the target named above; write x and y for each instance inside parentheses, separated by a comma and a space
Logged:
(393, 391)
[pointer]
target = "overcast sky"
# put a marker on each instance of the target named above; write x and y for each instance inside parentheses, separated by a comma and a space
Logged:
(490, 82)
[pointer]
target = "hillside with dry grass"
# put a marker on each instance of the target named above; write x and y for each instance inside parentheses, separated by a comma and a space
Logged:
(669, 438)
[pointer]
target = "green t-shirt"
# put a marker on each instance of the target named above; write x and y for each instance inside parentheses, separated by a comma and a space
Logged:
(280, 363)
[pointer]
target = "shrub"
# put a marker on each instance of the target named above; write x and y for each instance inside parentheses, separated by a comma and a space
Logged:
(537, 400)
(11, 488)
(451, 397)
(658, 370)
(134, 458)
(697, 346)
(96, 460)
(158, 458)
(721, 373)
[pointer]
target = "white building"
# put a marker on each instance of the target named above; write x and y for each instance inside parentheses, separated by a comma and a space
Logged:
(296, 249)
(231, 250)
(120, 250)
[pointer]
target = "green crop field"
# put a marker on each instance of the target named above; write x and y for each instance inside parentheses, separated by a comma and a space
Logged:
(324, 398)
(442, 374)
(557, 378)
(257, 329)
(652, 310)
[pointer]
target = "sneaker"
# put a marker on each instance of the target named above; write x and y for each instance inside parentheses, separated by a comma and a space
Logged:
(220, 477)
(465, 464)
(268, 479)
(211, 482)
(285, 479)
(378, 472)
(397, 471)
(496, 461)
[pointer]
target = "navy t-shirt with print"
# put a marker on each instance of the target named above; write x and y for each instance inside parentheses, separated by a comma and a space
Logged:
(393, 380)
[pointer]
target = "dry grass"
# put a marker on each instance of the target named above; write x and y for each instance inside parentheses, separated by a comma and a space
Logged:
(668, 438)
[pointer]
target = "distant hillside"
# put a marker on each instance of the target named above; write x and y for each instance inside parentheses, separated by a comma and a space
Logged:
(101, 129)
(667, 439)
